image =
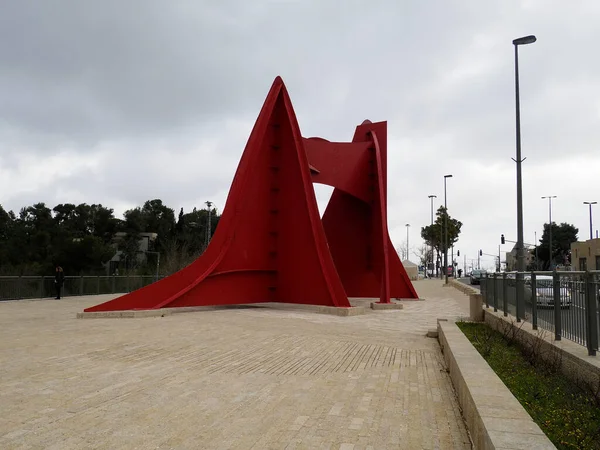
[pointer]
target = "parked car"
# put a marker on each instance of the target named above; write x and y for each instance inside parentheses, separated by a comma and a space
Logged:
(476, 276)
(544, 287)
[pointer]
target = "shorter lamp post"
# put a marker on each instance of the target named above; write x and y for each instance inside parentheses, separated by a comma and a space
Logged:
(550, 197)
(446, 231)
(590, 204)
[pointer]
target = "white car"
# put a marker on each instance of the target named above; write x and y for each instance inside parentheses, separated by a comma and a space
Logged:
(544, 292)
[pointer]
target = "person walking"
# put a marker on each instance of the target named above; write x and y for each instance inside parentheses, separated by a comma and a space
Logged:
(59, 279)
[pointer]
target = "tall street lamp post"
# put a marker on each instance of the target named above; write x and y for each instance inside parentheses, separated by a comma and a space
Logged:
(431, 197)
(520, 251)
(520, 256)
(550, 197)
(446, 231)
(590, 203)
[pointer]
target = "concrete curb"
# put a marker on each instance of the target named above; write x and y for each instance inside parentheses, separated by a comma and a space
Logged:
(163, 312)
(386, 306)
(494, 417)
(475, 300)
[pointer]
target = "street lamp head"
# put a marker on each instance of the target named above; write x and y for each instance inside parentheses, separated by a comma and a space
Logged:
(432, 196)
(549, 196)
(447, 176)
(525, 40)
(408, 224)
(589, 203)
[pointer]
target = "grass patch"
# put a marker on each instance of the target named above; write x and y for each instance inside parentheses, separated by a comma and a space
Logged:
(569, 416)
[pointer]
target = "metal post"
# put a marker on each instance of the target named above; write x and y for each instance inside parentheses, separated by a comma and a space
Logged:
(590, 204)
(495, 303)
(537, 264)
(19, 287)
(551, 252)
(591, 297)
(208, 229)
(557, 309)
(407, 246)
(157, 264)
(446, 229)
(431, 197)
(520, 280)
(98, 285)
(518, 160)
(534, 315)
(41, 287)
(499, 263)
(504, 296)
(445, 232)
(81, 285)
(495, 290)
(550, 256)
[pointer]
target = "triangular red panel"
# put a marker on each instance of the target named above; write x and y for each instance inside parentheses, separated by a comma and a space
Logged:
(270, 245)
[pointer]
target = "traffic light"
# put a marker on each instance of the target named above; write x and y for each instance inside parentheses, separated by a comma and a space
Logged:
(458, 253)
(502, 239)
(480, 253)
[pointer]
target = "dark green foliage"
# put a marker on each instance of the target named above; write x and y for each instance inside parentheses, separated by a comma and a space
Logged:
(81, 238)
(565, 412)
(562, 237)
(434, 234)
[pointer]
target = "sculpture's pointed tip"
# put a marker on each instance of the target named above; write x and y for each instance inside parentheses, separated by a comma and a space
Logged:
(278, 80)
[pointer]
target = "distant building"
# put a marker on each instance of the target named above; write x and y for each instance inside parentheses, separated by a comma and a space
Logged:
(511, 259)
(143, 247)
(412, 270)
(586, 255)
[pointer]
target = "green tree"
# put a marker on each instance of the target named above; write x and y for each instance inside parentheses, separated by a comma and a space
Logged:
(562, 237)
(433, 235)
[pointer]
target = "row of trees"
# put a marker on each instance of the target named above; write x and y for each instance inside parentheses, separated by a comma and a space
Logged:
(563, 235)
(81, 238)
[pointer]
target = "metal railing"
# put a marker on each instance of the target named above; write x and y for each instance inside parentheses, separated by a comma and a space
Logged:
(564, 303)
(30, 287)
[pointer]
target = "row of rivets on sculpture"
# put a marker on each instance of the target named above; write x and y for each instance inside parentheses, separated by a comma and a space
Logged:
(275, 161)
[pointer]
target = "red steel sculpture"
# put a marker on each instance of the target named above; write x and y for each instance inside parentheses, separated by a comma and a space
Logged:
(270, 244)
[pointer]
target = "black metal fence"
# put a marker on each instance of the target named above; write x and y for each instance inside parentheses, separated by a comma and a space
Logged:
(564, 303)
(28, 287)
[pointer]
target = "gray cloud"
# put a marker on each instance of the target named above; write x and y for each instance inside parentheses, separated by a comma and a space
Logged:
(119, 102)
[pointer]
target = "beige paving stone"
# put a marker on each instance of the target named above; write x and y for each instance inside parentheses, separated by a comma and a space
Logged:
(245, 378)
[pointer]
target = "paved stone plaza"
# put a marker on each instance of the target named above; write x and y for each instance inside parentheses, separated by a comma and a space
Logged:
(231, 378)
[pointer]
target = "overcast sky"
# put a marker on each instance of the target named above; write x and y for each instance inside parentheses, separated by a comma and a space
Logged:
(118, 102)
